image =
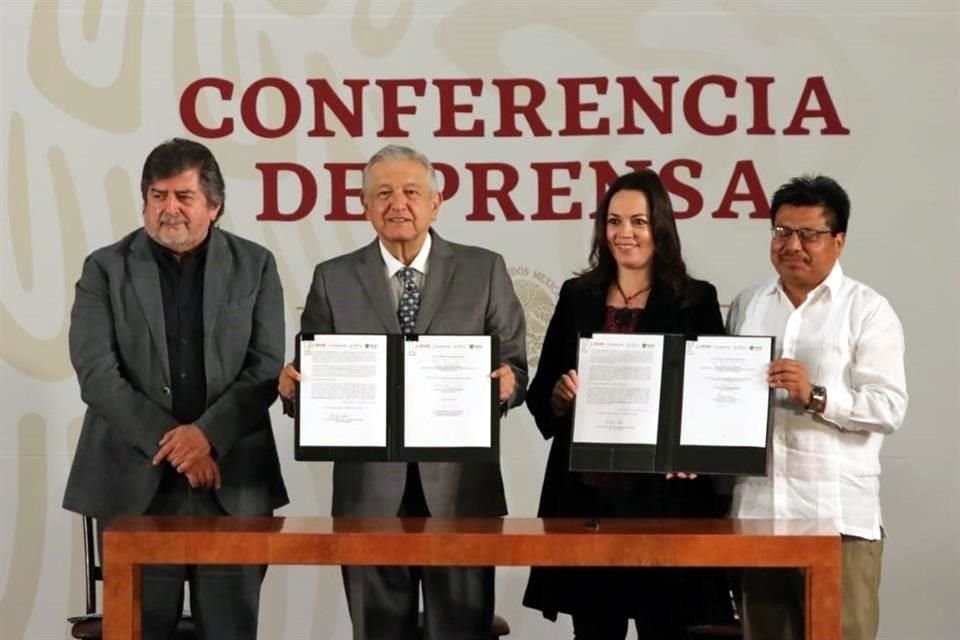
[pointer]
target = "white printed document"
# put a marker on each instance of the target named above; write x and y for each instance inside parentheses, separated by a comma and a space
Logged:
(659, 403)
(725, 392)
(343, 391)
(382, 398)
(449, 403)
(619, 396)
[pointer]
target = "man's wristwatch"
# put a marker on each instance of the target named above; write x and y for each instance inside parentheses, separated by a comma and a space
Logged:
(818, 399)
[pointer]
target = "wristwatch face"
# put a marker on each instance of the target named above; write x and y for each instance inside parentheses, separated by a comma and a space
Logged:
(818, 395)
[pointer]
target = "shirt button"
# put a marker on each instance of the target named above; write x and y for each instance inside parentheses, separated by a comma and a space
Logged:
(166, 390)
(183, 375)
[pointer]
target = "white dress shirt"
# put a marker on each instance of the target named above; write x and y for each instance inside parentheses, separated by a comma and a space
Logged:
(827, 466)
(393, 267)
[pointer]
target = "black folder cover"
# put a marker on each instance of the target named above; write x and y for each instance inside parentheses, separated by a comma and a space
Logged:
(395, 451)
(668, 455)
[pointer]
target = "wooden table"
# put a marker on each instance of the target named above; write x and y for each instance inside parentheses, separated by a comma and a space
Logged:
(130, 542)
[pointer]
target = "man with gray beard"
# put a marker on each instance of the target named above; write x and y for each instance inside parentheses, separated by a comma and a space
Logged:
(176, 335)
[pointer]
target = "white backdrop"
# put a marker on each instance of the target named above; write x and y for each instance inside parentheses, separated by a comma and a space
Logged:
(89, 87)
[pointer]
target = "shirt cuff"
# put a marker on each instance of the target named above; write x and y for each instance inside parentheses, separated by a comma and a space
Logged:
(839, 406)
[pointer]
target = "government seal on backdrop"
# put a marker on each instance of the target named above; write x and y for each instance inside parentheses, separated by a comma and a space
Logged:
(538, 294)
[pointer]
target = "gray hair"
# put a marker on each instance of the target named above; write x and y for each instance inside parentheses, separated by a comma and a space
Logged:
(400, 152)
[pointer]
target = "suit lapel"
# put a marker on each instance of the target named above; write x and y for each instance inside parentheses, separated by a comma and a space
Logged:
(440, 269)
(372, 274)
(146, 287)
(660, 313)
(591, 310)
(217, 273)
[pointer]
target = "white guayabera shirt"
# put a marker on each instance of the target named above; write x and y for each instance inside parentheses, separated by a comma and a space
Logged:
(827, 466)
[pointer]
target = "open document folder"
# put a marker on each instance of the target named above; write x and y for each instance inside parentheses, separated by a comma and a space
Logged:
(661, 403)
(397, 398)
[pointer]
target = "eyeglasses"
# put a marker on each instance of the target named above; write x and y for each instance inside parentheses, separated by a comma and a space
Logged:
(806, 235)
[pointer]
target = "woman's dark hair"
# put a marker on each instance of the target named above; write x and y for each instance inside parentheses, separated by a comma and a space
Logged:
(177, 155)
(668, 266)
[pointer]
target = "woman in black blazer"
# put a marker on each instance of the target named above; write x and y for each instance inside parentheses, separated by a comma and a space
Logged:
(636, 282)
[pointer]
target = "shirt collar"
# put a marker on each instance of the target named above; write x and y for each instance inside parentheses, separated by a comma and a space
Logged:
(419, 263)
(834, 280)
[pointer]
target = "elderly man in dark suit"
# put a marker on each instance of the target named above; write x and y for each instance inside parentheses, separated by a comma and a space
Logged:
(176, 335)
(411, 280)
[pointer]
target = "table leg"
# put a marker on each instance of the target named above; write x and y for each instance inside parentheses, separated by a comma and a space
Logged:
(823, 599)
(121, 601)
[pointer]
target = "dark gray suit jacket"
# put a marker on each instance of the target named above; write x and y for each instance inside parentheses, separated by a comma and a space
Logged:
(467, 291)
(118, 348)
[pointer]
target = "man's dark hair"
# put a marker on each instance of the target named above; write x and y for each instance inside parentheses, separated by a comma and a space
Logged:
(815, 191)
(178, 155)
(668, 266)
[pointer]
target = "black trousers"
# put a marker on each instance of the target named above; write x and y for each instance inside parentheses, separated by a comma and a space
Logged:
(224, 599)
